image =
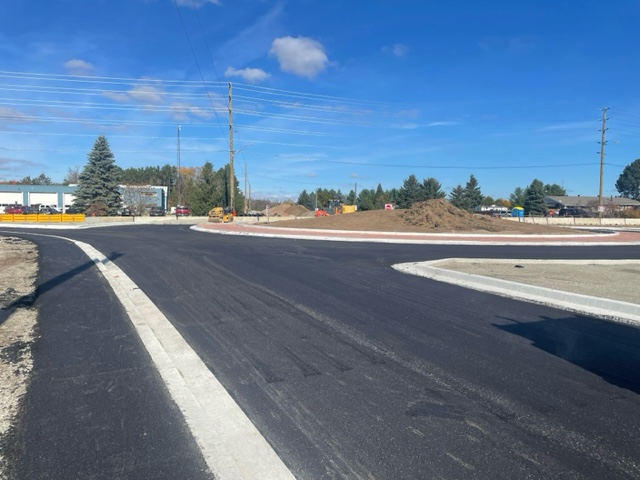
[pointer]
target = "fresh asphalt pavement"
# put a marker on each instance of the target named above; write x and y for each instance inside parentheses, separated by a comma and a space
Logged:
(348, 368)
(96, 406)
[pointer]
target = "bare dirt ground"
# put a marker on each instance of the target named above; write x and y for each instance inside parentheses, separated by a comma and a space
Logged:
(615, 280)
(432, 216)
(18, 269)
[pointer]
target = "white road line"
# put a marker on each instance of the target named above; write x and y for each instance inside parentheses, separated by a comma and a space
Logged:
(231, 445)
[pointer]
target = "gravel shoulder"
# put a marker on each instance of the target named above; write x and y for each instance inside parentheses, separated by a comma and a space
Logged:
(18, 270)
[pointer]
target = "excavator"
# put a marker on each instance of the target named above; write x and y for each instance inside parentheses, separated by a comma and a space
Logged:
(220, 215)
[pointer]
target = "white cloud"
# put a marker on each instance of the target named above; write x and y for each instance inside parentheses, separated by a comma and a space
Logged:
(251, 75)
(301, 56)
(443, 123)
(146, 94)
(397, 49)
(79, 67)
(13, 115)
(196, 3)
(179, 111)
(116, 96)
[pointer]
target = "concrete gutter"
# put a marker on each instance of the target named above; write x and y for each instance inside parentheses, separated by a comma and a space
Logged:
(621, 312)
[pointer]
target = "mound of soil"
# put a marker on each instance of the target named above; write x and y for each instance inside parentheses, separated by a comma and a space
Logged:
(288, 210)
(432, 216)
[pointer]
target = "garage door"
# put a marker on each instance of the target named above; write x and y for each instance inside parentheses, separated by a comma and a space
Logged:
(68, 199)
(10, 198)
(36, 198)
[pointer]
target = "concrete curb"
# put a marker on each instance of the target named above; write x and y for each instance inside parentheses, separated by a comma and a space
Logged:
(621, 312)
(414, 238)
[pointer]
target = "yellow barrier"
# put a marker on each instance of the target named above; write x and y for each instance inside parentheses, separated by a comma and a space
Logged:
(348, 209)
(41, 218)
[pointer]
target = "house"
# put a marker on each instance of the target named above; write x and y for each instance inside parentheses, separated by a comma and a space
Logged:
(610, 204)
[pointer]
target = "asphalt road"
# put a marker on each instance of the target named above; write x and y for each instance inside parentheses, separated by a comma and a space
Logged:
(351, 369)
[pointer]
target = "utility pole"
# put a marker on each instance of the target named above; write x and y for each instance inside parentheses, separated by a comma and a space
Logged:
(355, 199)
(245, 187)
(232, 183)
(602, 144)
(179, 181)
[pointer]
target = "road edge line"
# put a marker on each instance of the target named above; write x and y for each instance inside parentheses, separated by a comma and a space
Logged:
(231, 445)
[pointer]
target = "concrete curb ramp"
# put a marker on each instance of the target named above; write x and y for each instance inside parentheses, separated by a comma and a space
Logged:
(622, 312)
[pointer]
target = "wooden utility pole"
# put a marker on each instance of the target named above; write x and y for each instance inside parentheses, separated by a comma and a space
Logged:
(245, 187)
(602, 144)
(232, 183)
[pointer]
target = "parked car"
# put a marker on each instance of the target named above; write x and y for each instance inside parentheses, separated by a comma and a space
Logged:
(157, 212)
(182, 211)
(72, 210)
(125, 212)
(15, 209)
(48, 211)
(573, 212)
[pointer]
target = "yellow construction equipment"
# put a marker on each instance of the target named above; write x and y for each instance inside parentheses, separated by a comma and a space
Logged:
(220, 215)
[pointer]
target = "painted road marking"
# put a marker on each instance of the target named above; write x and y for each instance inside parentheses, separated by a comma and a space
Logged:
(231, 445)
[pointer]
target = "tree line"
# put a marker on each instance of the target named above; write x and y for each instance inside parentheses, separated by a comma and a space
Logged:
(466, 197)
(203, 187)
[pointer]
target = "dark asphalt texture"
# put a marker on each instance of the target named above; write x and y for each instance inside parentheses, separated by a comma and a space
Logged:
(96, 407)
(349, 368)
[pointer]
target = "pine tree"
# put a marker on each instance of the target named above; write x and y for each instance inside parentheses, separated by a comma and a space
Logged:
(432, 189)
(98, 190)
(472, 194)
(304, 199)
(534, 203)
(518, 197)
(410, 192)
(457, 197)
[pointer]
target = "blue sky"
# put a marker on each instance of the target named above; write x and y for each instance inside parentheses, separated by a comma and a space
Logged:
(326, 93)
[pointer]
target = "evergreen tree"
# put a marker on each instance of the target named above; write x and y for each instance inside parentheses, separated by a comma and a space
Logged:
(304, 199)
(517, 197)
(534, 203)
(366, 200)
(41, 179)
(432, 189)
(628, 183)
(205, 194)
(554, 190)
(410, 192)
(98, 190)
(472, 194)
(457, 197)
(488, 201)
(381, 198)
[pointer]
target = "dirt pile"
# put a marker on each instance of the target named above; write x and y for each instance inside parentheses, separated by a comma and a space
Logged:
(440, 215)
(432, 216)
(288, 210)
